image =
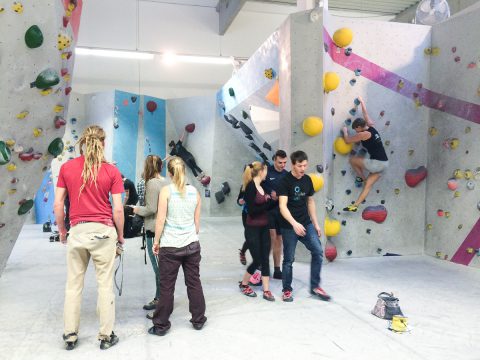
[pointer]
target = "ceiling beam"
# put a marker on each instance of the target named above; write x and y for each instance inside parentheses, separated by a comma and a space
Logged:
(227, 11)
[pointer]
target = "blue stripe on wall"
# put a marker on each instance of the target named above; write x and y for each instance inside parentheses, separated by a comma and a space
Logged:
(44, 200)
(125, 136)
(154, 127)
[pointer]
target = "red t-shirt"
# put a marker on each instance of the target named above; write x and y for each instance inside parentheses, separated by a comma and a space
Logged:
(93, 203)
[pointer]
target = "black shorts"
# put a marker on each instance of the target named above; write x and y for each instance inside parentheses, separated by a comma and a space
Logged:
(274, 219)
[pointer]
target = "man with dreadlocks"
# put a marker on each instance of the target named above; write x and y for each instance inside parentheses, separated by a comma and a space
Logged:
(89, 180)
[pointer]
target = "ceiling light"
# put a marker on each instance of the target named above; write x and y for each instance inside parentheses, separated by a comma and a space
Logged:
(216, 60)
(114, 53)
(169, 58)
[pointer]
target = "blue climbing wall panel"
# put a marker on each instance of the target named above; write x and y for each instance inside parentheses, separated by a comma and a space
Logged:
(44, 200)
(154, 126)
(125, 135)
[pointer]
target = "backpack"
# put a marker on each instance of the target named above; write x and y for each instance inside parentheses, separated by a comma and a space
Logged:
(386, 306)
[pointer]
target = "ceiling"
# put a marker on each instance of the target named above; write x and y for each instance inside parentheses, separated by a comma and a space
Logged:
(384, 7)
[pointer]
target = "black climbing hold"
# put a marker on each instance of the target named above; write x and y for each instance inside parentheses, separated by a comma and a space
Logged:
(378, 191)
(320, 168)
(353, 112)
(343, 172)
(379, 250)
(264, 157)
(25, 206)
(133, 98)
(358, 72)
(348, 191)
(348, 122)
(267, 146)
(255, 147)
(220, 197)
(344, 222)
(33, 37)
(245, 128)
(225, 188)
(249, 137)
(245, 114)
(382, 202)
(56, 147)
(73, 121)
(349, 252)
(332, 111)
(369, 231)
(348, 51)
(334, 156)
(353, 82)
(231, 92)
(325, 46)
(356, 101)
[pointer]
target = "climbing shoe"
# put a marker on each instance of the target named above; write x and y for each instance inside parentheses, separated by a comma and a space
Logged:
(351, 208)
(108, 343)
(70, 343)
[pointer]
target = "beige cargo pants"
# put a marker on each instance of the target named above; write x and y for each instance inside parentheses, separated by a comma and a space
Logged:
(97, 241)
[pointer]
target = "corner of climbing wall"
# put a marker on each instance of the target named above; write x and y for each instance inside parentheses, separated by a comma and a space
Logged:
(453, 194)
(37, 63)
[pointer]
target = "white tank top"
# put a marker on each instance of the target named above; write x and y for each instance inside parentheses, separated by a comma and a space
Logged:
(179, 230)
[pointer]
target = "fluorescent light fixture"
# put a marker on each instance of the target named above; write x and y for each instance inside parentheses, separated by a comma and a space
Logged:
(168, 57)
(114, 53)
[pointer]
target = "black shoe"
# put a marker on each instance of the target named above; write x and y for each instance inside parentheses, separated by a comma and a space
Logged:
(277, 275)
(70, 345)
(149, 316)
(156, 331)
(152, 305)
(198, 326)
(108, 343)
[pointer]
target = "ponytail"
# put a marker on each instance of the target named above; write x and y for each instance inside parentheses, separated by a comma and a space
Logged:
(251, 170)
(176, 167)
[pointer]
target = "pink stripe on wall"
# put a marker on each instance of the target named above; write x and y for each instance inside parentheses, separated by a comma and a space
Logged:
(75, 18)
(462, 109)
(472, 241)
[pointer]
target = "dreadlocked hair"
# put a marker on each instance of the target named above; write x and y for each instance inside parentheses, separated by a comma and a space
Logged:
(176, 167)
(91, 146)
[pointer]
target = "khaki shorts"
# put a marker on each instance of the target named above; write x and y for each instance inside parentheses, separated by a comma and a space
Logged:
(375, 166)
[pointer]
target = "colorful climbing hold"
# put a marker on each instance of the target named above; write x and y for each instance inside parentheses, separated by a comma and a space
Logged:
(468, 174)
(312, 125)
(56, 147)
(332, 227)
(63, 41)
(46, 79)
(17, 7)
(331, 80)
(411, 152)
(470, 185)
(33, 37)
(400, 84)
(22, 115)
(231, 92)
(58, 109)
(382, 113)
(452, 184)
(5, 153)
(25, 206)
(458, 174)
(468, 129)
(433, 131)
(440, 213)
(429, 226)
(269, 73)
(414, 176)
(357, 72)
(375, 213)
(456, 194)
(387, 142)
(341, 146)
(457, 59)
(317, 181)
(343, 37)
(37, 132)
(348, 51)
(330, 252)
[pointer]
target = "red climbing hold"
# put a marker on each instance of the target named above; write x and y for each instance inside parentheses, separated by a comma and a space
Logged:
(68, 90)
(205, 180)
(375, 213)
(330, 251)
(66, 20)
(59, 122)
(190, 128)
(414, 176)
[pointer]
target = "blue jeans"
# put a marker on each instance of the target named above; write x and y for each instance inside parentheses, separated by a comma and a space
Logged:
(312, 243)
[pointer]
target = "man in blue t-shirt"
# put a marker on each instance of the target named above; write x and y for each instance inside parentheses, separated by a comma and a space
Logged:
(275, 173)
(299, 223)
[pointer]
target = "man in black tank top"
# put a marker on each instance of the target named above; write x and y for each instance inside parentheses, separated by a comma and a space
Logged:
(377, 161)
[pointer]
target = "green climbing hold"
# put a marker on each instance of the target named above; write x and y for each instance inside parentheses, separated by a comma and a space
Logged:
(46, 79)
(5, 153)
(25, 206)
(231, 92)
(34, 37)
(56, 147)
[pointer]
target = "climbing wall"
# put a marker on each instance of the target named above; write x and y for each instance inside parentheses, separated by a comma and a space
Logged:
(216, 150)
(453, 194)
(36, 66)
(385, 64)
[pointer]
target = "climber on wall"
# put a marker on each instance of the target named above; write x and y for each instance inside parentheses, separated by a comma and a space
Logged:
(177, 149)
(377, 161)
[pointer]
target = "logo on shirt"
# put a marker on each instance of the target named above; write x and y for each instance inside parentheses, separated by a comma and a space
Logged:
(272, 179)
(298, 194)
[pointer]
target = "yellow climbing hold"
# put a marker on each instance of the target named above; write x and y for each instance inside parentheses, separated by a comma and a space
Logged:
(332, 227)
(341, 146)
(66, 77)
(312, 125)
(63, 41)
(343, 37)
(456, 194)
(454, 142)
(37, 132)
(10, 142)
(317, 181)
(11, 167)
(429, 226)
(433, 131)
(468, 174)
(397, 191)
(447, 214)
(331, 80)
(58, 109)
(22, 115)
(17, 7)
(435, 51)
(46, 92)
(12, 191)
(458, 174)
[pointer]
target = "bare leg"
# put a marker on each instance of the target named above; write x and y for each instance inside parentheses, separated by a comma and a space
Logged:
(245, 279)
(371, 179)
(357, 165)
(265, 280)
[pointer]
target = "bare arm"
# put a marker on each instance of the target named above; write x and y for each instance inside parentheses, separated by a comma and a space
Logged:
(118, 218)
(59, 210)
(364, 135)
(313, 215)
(183, 136)
(161, 216)
(367, 118)
(297, 227)
(197, 213)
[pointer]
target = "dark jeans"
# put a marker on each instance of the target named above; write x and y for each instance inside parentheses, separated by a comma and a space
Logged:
(193, 166)
(312, 243)
(258, 239)
(169, 261)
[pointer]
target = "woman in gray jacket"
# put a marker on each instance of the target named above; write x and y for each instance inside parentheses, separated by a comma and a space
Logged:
(154, 183)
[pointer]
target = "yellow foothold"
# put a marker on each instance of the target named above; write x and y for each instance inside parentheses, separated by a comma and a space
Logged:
(429, 226)
(46, 92)
(17, 7)
(456, 194)
(63, 41)
(458, 174)
(22, 115)
(447, 214)
(387, 142)
(470, 250)
(10, 142)
(37, 132)
(433, 131)
(12, 191)
(58, 108)
(435, 51)
(397, 191)
(418, 103)
(427, 51)
(68, 142)
(66, 77)
(11, 167)
(2, 203)
(454, 143)
(468, 174)
(438, 254)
